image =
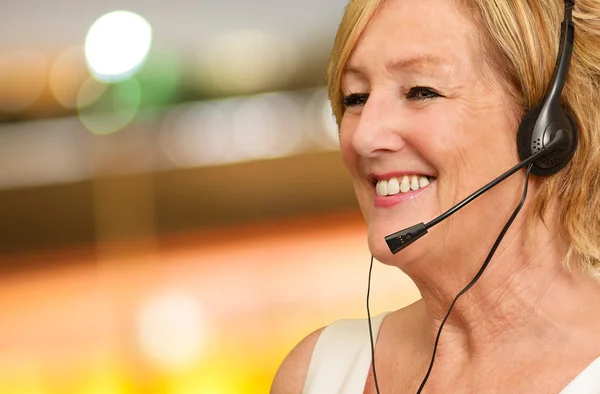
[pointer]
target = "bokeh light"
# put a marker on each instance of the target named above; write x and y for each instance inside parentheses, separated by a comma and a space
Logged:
(160, 78)
(217, 378)
(325, 133)
(234, 130)
(103, 378)
(184, 139)
(23, 75)
(114, 109)
(117, 45)
(67, 75)
(249, 61)
(89, 92)
(26, 378)
(211, 135)
(266, 127)
(172, 330)
(119, 250)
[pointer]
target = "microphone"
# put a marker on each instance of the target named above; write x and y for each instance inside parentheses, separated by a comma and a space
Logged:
(401, 239)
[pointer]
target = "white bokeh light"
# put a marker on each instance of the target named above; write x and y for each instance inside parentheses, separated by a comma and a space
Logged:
(266, 126)
(234, 130)
(172, 330)
(250, 61)
(325, 130)
(117, 45)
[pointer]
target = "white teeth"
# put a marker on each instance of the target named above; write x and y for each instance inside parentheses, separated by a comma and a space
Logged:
(407, 183)
(414, 183)
(382, 188)
(393, 186)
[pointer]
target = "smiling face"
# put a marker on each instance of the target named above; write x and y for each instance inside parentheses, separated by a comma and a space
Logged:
(424, 126)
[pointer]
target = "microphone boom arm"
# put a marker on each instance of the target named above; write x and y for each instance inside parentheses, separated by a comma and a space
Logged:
(401, 239)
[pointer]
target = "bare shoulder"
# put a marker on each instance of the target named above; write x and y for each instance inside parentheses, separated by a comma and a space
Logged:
(291, 374)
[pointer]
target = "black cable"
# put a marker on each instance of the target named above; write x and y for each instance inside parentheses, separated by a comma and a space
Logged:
(467, 287)
(371, 329)
(478, 275)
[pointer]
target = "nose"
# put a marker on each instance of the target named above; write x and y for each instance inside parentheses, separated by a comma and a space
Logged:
(380, 128)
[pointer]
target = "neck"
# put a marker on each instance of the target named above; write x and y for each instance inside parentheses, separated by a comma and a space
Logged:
(523, 297)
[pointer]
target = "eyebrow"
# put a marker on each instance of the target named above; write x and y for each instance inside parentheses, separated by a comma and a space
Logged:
(414, 62)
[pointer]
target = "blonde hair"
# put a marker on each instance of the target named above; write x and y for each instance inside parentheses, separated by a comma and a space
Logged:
(519, 42)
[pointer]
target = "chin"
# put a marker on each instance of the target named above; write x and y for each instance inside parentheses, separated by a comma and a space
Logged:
(385, 219)
(380, 250)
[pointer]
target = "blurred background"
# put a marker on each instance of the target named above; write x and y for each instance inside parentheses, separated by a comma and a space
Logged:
(174, 212)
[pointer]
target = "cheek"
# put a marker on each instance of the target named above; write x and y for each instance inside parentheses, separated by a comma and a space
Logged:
(438, 137)
(467, 136)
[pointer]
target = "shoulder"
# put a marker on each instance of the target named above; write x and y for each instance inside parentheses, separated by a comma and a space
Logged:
(326, 356)
(292, 373)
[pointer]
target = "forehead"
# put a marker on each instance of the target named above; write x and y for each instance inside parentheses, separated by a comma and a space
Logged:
(415, 35)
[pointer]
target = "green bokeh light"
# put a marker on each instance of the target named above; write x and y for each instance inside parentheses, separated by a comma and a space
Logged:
(160, 79)
(114, 109)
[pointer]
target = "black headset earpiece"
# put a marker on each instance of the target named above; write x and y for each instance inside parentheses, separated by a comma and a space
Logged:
(540, 124)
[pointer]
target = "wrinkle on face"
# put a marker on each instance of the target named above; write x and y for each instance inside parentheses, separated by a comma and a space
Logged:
(466, 136)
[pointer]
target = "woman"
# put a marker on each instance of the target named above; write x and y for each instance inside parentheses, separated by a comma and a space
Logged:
(434, 90)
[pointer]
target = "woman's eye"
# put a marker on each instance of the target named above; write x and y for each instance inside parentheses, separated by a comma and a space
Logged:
(422, 93)
(416, 93)
(355, 99)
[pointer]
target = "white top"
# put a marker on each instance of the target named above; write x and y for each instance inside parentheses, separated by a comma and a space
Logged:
(341, 361)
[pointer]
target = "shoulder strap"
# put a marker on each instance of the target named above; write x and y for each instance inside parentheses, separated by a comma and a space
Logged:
(342, 357)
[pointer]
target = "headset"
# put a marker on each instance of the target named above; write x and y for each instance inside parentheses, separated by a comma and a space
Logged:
(541, 123)
(547, 137)
(546, 142)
